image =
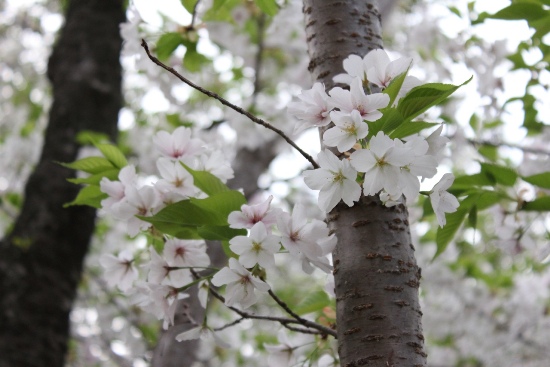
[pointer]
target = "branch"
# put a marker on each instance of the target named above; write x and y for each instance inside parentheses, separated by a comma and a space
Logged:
(509, 145)
(297, 317)
(225, 102)
(282, 320)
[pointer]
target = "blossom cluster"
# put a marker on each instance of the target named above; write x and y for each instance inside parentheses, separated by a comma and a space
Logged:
(169, 271)
(378, 165)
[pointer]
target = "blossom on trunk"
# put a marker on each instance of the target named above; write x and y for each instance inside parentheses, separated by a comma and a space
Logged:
(335, 179)
(348, 128)
(313, 108)
(356, 99)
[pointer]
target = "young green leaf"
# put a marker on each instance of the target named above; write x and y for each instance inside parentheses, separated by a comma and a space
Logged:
(92, 165)
(89, 195)
(538, 205)
(167, 44)
(502, 175)
(540, 180)
(206, 181)
(269, 7)
(445, 235)
(313, 302)
(113, 155)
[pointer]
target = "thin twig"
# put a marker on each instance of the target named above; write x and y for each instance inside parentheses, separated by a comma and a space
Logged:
(194, 15)
(509, 145)
(238, 321)
(282, 320)
(302, 321)
(225, 102)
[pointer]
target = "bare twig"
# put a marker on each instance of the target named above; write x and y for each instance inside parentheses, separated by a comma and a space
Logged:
(194, 15)
(509, 145)
(225, 102)
(286, 322)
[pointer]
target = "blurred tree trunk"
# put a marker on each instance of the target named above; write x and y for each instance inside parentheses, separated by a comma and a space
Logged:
(376, 276)
(41, 258)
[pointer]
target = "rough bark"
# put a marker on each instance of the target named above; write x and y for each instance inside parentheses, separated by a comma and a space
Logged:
(376, 276)
(41, 259)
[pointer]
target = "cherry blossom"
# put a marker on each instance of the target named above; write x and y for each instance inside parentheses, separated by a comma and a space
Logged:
(185, 253)
(335, 180)
(258, 248)
(119, 270)
(204, 333)
(175, 179)
(356, 99)
(160, 272)
(313, 108)
(252, 214)
(179, 145)
(355, 68)
(116, 203)
(347, 130)
(282, 354)
(241, 284)
(145, 202)
(442, 201)
(381, 163)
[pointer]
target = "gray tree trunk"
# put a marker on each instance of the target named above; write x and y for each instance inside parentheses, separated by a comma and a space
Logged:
(41, 258)
(376, 276)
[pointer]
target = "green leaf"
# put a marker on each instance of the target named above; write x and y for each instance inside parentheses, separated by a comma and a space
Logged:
(469, 181)
(221, 203)
(539, 205)
(89, 195)
(89, 137)
(445, 235)
(472, 217)
(206, 181)
(521, 10)
(219, 233)
(410, 128)
(113, 155)
(269, 7)
(189, 5)
(395, 86)
(540, 180)
(313, 302)
(111, 174)
(502, 175)
(90, 165)
(392, 119)
(421, 98)
(167, 44)
(192, 60)
(185, 213)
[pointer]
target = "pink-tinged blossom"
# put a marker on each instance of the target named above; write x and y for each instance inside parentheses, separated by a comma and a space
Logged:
(203, 333)
(354, 67)
(160, 272)
(335, 179)
(356, 99)
(282, 354)
(175, 179)
(442, 201)
(313, 109)
(252, 214)
(381, 163)
(179, 145)
(241, 284)
(144, 202)
(258, 248)
(116, 203)
(119, 270)
(185, 253)
(347, 130)
(309, 242)
(381, 71)
(217, 164)
(164, 301)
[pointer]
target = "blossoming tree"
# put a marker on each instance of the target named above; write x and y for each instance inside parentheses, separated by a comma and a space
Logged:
(178, 200)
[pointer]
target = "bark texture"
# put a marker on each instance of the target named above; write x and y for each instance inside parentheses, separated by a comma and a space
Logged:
(376, 276)
(41, 259)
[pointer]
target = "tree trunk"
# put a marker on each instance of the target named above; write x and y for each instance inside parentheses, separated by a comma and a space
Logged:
(376, 276)
(41, 259)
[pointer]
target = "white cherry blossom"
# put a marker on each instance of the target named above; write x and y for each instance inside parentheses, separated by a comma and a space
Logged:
(356, 99)
(335, 179)
(117, 203)
(119, 270)
(355, 68)
(252, 214)
(381, 163)
(313, 108)
(204, 333)
(258, 248)
(179, 145)
(145, 202)
(347, 130)
(241, 284)
(175, 179)
(442, 201)
(185, 253)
